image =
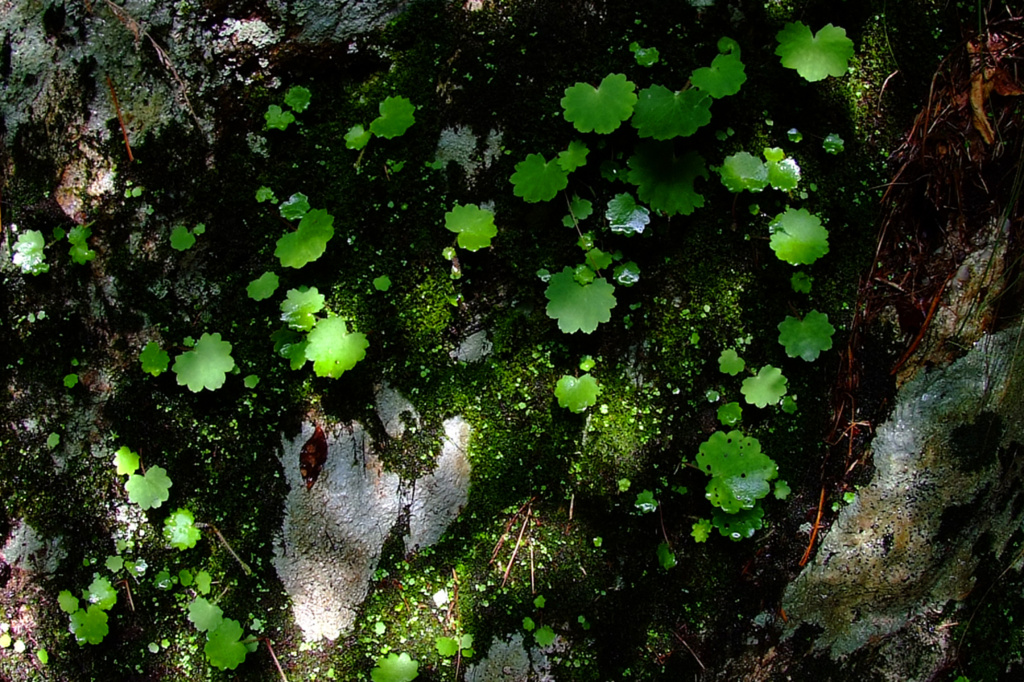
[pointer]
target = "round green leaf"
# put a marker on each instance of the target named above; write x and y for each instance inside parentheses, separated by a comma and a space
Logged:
(730, 414)
(80, 251)
(278, 118)
(263, 287)
(154, 359)
(784, 174)
(89, 626)
(204, 615)
(833, 144)
(67, 601)
(577, 394)
(396, 116)
(626, 274)
(223, 649)
(544, 636)
(308, 242)
(730, 363)
(295, 207)
(357, 137)
(126, 461)
(666, 557)
(180, 531)
(149, 491)
(726, 73)
(574, 157)
(474, 225)
(740, 525)
(578, 307)
(806, 338)
(625, 216)
(664, 180)
(739, 470)
(299, 306)
(601, 109)
(663, 114)
(742, 171)
(101, 593)
(446, 646)
(798, 237)
(766, 388)
(537, 179)
(297, 98)
(801, 282)
(333, 349)
(206, 365)
(815, 57)
(395, 668)
(28, 253)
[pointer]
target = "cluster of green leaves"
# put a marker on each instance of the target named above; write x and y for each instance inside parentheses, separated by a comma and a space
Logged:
(28, 253)
(89, 624)
(744, 171)
(225, 647)
(205, 366)
(397, 114)
(78, 238)
(183, 239)
(325, 341)
(309, 240)
(296, 99)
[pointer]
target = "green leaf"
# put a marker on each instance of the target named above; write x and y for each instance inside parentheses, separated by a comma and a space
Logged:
(67, 601)
(782, 490)
(101, 593)
(223, 649)
(701, 530)
(783, 172)
(333, 349)
(537, 179)
(730, 414)
(666, 557)
(308, 242)
(598, 259)
(357, 137)
(89, 626)
(645, 502)
(626, 274)
(154, 359)
(263, 287)
(127, 462)
(798, 237)
(528, 624)
(815, 57)
(581, 209)
(396, 116)
(578, 307)
(833, 144)
(730, 363)
(203, 582)
(601, 109)
(395, 668)
(665, 181)
(299, 306)
(53, 440)
(206, 365)
(277, 118)
(204, 615)
(297, 98)
(295, 207)
(743, 524)
(739, 470)
(742, 171)
(577, 394)
(80, 251)
(645, 56)
(574, 157)
(114, 563)
(70, 380)
(625, 216)
(806, 338)
(801, 282)
(663, 114)
(474, 225)
(265, 194)
(726, 74)
(544, 636)
(182, 239)
(446, 646)
(250, 381)
(180, 531)
(291, 346)
(149, 491)
(766, 388)
(28, 253)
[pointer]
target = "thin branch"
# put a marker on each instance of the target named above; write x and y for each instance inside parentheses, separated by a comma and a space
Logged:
(515, 551)
(814, 530)
(273, 656)
(120, 118)
(245, 566)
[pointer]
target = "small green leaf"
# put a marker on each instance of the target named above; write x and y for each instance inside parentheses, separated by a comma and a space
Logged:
(537, 179)
(701, 530)
(265, 194)
(397, 114)
(743, 171)
(666, 181)
(182, 239)
(540, 601)
(250, 381)
(291, 346)
(528, 624)
(726, 74)
(625, 216)
(601, 109)
(743, 524)
(626, 274)
(206, 365)
(308, 242)
(798, 237)
(223, 649)
(357, 137)
(382, 283)
(89, 626)
(154, 359)
(114, 563)
(101, 593)
(801, 282)
(645, 56)
(297, 98)
(782, 490)
(395, 668)
(474, 225)
(577, 394)
(663, 114)
(446, 646)
(666, 557)
(126, 461)
(70, 380)
(67, 601)
(815, 57)
(574, 157)
(299, 307)
(149, 491)
(739, 470)
(598, 259)
(783, 172)
(730, 363)
(333, 349)
(263, 287)
(766, 388)
(544, 636)
(645, 502)
(203, 582)
(833, 144)
(180, 531)
(806, 338)
(730, 414)
(53, 440)
(28, 253)
(578, 307)
(204, 615)
(80, 251)
(277, 118)
(294, 207)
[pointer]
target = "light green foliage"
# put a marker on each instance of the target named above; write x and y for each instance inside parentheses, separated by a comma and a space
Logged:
(395, 668)
(446, 646)
(308, 242)
(626, 274)
(739, 470)
(203, 581)
(730, 363)
(701, 530)
(265, 194)
(782, 490)
(666, 557)
(89, 625)
(80, 251)
(645, 56)
(263, 287)
(297, 98)
(665, 181)
(544, 636)
(645, 502)
(783, 172)
(114, 563)
(250, 381)
(397, 114)
(333, 349)
(726, 74)
(730, 414)
(28, 253)
(794, 135)
(579, 209)
(528, 624)
(766, 388)
(294, 207)
(537, 179)
(291, 346)
(149, 491)
(806, 338)
(70, 380)
(474, 225)
(578, 307)
(798, 237)
(743, 171)
(815, 57)
(154, 359)
(180, 531)
(663, 114)
(68, 602)
(577, 393)
(598, 259)
(573, 157)
(789, 404)
(382, 283)
(801, 282)
(53, 440)
(625, 216)
(101, 593)
(833, 144)
(741, 525)
(540, 601)
(223, 649)
(126, 461)
(204, 615)
(299, 307)
(182, 238)
(357, 137)
(277, 118)
(206, 365)
(601, 109)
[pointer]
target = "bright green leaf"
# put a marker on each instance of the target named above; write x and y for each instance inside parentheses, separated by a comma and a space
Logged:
(204, 615)
(537, 179)
(357, 137)
(577, 394)
(263, 287)
(182, 239)
(89, 626)
(783, 173)
(223, 649)
(154, 359)
(294, 207)
(625, 216)
(382, 283)
(806, 338)
(726, 74)
(665, 181)
(278, 118)
(801, 282)
(730, 414)
(742, 171)
(701, 530)
(798, 237)
(601, 109)
(80, 251)
(663, 114)
(833, 144)
(645, 56)
(815, 57)
(149, 491)
(206, 365)
(739, 470)
(782, 490)
(574, 157)
(578, 307)
(740, 525)
(730, 363)
(666, 557)
(474, 225)
(53, 440)
(333, 349)
(127, 462)
(28, 253)
(308, 242)
(297, 98)
(544, 636)
(766, 388)
(446, 646)
(203, 582)
(180, 531)
(299, 307)
(397, 114)
(101, 593)
(67, 601)
(645, 502)
(265, 194)
(395, 668)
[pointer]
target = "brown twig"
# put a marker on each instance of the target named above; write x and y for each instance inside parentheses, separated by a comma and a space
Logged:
(120, 118)
(128, 592)
(814, 530)
(515, 551)
(924, 327)
(245, 566)
(690, 649)
(273, 657)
